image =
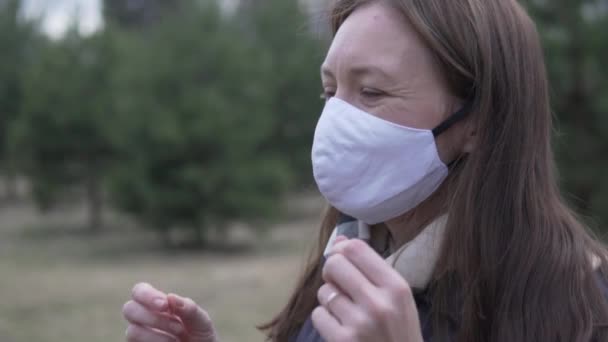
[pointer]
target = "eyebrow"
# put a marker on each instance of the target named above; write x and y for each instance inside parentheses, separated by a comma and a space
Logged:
(358, 71)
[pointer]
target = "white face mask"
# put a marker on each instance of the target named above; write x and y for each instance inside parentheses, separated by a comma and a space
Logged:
(372, 169)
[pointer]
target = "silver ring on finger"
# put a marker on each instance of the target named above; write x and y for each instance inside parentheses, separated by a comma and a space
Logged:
(332, 296)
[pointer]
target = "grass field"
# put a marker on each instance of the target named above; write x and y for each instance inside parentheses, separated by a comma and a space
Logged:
(61, 284)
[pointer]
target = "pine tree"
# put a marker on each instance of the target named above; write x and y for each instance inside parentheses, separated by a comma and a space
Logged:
(283, 29)
(195, 111)
(17, 40)
(137, 14)
(63, 133)
(575, 37)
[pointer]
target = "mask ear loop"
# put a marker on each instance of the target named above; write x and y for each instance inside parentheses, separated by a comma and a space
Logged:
(454, 118)
(449, 122)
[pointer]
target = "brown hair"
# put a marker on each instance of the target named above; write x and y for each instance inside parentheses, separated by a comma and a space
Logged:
(518, 255)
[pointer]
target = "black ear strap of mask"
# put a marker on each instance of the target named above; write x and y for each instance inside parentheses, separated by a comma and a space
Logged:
(454, 118)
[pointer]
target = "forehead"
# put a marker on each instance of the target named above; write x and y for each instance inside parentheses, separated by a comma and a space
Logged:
(378, 35)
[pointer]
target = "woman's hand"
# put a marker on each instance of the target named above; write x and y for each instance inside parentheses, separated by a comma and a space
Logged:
(364, 299)
(154, 316)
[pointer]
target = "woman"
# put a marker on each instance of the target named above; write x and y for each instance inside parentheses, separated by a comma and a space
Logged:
(434, 153)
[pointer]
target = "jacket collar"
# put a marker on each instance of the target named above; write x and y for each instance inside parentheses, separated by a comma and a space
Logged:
(415, 260)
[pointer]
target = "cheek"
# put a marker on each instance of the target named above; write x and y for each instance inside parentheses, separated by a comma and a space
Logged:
(410, 113)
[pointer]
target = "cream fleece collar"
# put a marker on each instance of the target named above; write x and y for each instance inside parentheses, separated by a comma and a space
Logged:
(415, 260)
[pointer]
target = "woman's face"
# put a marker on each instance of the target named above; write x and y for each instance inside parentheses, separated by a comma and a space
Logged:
(378, 63)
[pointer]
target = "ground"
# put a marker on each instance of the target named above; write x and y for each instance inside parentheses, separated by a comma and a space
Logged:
(61, 284)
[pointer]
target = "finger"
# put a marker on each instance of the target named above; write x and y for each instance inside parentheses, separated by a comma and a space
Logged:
(345, 276)
(148, 296)
(138, 314)
(340, 306)
(339, 239)
(194, 318)
(369, 263)
(328, 326)
(136, 333)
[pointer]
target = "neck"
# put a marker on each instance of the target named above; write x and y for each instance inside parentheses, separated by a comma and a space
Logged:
(406, 227)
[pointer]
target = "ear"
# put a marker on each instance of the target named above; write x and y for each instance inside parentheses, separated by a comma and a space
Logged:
(470, 138)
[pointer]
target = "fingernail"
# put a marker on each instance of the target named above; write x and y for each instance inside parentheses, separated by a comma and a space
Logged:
(160, 303)
(337, 242)
(176, 327)
(340, 239)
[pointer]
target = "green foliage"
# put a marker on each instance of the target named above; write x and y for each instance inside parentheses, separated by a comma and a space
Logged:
(282, 28)
(137, 14)
(193, 118)
(195, 114)
(62, 133)
(198, 119)
(575, 36)
(10, 36)
(16, 39)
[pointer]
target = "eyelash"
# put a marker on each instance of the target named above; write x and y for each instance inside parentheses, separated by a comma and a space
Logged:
(366, 92)
(371, 93)
(326, 95)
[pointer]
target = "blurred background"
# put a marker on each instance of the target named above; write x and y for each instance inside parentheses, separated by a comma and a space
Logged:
(168, 141)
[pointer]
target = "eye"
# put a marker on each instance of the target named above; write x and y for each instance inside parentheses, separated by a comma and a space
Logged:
(327, 94)
(371, 93)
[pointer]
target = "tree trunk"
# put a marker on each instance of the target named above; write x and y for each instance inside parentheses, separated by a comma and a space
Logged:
(199, 236)
(11, 193)
(165, 235)
(222, 233)
(94, 202)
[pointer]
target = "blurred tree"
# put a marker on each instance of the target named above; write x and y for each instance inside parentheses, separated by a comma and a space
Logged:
(62, 135)
(16, 37)
(137, 14)
(281, 28)
(575, 35)
(195, 112)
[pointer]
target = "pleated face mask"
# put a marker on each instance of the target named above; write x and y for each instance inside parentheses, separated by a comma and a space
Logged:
(372, 169)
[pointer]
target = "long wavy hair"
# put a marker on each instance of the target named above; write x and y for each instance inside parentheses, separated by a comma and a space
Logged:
(516, 264)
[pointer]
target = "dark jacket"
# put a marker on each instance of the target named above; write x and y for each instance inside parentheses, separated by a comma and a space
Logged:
(309, 334)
